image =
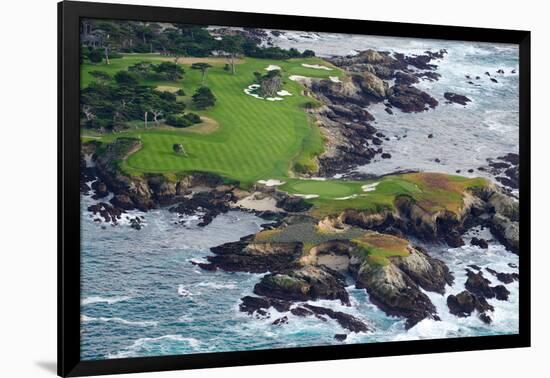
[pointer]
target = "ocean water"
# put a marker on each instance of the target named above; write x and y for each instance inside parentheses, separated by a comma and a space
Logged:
(463, 137)
(142, 296)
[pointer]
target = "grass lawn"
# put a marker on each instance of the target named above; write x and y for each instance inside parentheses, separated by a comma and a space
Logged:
(431, 191)
(256, 139)
(376, 248)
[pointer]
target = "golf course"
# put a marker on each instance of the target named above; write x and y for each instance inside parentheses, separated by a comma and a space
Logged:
(252, 138)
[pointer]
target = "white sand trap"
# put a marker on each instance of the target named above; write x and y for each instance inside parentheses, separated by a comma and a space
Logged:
(335, 79)
(284, 93)
(248, 90)
(271, 182)
(370, 187)
(346, 198)
(252, 87)
(299, 79)
(317, 66)
(256, 202)
(272, 67)
(306, 196)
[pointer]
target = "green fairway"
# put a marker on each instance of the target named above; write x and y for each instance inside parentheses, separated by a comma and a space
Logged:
(256, 138)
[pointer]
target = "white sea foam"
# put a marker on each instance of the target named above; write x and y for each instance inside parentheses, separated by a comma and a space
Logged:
(108, 300)
(143, 323)
(146, 343)
(214, 285)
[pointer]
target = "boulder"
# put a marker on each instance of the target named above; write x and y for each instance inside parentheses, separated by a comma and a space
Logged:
(456, 98)
(372, 85)
(464, 303)
(479, 242)
(303, 284)
(429, 273)
(123, 201)
(243, 256)
(410, 99)
(395, 293)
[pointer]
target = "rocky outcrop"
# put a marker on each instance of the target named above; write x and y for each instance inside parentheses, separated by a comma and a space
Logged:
(410, 99)
(480, 286)
(456, 98)
(429, 273)
(303, 284)
(395, 292)
(246, 256)
(371, 85)
(465, 303)
(506, 278)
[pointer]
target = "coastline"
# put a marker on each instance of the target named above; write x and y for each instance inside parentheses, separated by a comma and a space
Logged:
(291, 283)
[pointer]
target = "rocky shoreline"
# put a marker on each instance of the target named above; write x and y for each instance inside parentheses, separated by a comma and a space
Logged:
(296, 272)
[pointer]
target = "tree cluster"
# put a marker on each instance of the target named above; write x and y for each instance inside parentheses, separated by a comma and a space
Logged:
(163, 71)
(111, 105)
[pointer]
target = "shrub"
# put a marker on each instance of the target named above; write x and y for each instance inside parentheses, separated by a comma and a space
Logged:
(193, 117)
(203, 98)
(180, 92)
(178, 121)
(308, 53)
(95, 56)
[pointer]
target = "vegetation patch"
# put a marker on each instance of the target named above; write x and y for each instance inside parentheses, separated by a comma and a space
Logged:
(375, 248)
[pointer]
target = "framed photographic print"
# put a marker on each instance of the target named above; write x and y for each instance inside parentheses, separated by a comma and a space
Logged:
(241, 188)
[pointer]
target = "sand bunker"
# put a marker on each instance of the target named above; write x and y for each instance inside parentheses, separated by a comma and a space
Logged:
(306, 196)
(335, 79)
(252, 90)
(300, 79)
(272, 67)
(284, 93)
(167, 88)
(370, 187)
(271, 182)
(257, 202)
(317, 66)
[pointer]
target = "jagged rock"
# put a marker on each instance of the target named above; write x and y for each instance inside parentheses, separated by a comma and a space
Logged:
(100, 189)
(506, 231)
(122, 201)
(395, 292)
(479, 285)
(464, 303)
(403, 78)
(501, 292)
(340, 337)
(506, 278)
(456, 98)
(372, 85)
(251, 304)
(307, 283)
(481, 243)
(347, 321)
(106, 211)
(280, 321)
(244, 256)
(429, 273)
(410, 99)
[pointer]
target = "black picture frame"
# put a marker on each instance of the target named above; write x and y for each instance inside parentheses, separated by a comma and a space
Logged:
(69, 15)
